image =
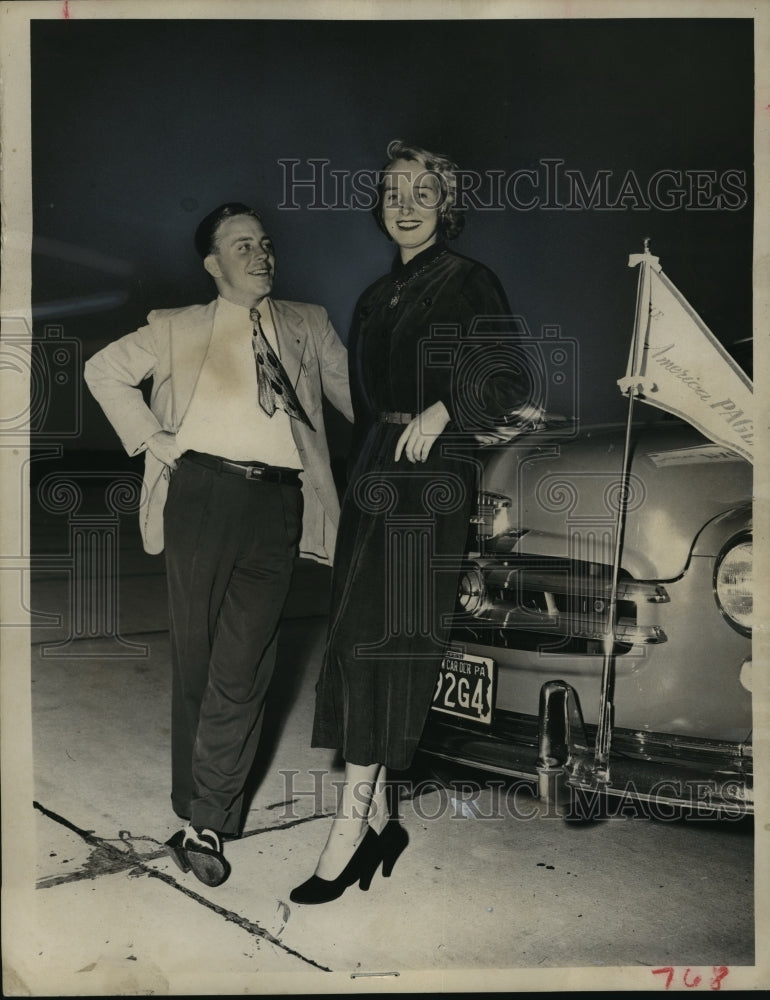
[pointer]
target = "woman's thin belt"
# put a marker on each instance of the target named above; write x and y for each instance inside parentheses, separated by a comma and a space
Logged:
(396, 418)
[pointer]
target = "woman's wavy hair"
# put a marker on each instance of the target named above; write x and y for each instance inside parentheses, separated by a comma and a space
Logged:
(451, 218)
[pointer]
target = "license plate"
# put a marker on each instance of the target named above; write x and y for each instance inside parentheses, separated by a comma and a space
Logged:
(465, 687)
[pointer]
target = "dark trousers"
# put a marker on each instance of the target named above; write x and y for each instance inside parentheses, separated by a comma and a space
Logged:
(230, 547)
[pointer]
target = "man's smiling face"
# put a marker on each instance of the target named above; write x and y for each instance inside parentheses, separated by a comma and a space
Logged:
(243, 263)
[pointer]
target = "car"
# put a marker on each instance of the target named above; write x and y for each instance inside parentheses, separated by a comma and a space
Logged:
(531, 689)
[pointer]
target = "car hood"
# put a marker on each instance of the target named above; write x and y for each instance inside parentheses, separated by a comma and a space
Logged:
(564, 494)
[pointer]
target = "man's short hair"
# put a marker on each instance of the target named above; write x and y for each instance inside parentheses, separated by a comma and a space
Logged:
(206, 233)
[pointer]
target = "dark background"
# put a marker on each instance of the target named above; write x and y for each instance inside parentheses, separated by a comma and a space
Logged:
(139, 128)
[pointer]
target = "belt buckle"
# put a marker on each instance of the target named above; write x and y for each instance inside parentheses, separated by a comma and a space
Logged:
(254, 472)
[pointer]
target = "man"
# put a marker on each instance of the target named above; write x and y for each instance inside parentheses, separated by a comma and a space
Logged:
(234, 440)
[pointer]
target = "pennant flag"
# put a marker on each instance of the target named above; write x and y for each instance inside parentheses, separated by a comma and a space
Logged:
(677, 364)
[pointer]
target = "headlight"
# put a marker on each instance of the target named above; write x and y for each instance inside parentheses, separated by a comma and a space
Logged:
(470, 593)
(733, 584)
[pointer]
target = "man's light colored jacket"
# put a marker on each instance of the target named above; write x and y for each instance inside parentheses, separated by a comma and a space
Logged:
(171, 350)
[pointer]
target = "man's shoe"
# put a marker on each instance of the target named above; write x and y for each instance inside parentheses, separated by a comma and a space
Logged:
(203, 849)
(175, 850)
(199, 849)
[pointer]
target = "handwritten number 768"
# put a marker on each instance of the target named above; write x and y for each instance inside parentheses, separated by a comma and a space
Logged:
(692, 979)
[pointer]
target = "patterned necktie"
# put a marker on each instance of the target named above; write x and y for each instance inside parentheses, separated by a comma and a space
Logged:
(275, 388)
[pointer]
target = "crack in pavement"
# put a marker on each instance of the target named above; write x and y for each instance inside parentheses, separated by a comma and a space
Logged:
(285, 826)
(108, 859)
(248, 925)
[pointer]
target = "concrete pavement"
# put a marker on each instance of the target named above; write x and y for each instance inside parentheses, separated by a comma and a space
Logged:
(488, 895)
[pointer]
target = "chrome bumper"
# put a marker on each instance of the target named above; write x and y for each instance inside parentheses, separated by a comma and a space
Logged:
(555, 754)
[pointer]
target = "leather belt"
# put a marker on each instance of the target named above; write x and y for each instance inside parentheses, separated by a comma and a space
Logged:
(247, 470)
(396, 418)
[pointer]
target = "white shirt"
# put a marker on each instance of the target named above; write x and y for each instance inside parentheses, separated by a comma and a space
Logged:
(224, 416)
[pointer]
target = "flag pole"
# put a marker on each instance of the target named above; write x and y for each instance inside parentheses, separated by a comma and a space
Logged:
(604, 727)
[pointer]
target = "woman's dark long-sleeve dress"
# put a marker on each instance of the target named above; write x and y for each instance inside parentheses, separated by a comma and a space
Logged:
(403, 526)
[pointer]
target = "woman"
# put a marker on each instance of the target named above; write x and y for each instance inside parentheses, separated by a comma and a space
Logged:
(421, 386)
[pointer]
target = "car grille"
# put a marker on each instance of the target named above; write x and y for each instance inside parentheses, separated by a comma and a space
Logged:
(539, 603)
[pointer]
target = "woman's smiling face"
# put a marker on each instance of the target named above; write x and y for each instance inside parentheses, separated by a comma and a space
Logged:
(411, 199)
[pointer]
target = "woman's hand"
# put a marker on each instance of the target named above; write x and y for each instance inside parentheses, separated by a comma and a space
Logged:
(163, 446)
(420, 434)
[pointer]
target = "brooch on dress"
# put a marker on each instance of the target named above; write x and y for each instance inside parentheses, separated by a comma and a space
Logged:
(401, 285)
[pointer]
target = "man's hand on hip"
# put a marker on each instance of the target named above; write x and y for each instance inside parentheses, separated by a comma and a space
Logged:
(164, 447)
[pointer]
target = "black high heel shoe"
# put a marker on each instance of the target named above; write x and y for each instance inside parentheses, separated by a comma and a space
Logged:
(359, 869)
(392, 843)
